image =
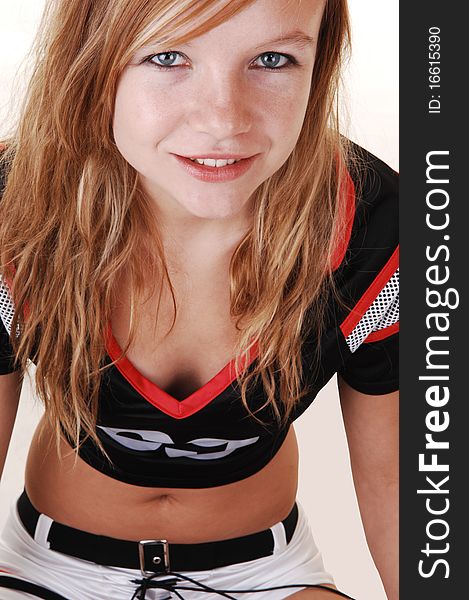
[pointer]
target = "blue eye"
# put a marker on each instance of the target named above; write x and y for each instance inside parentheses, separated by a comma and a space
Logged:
(165, 59)
(272, 61)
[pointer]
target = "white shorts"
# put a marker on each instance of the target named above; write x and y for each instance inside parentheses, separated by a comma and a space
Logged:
(298, 562)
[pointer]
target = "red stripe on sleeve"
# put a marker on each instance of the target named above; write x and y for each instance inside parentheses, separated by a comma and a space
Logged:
(381, 334)
(349, 323)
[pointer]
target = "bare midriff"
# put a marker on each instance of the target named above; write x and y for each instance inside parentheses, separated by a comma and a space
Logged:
(71, 492)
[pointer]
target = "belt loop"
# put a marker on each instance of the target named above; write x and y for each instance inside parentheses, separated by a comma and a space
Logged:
(280, 539)
(41, 533)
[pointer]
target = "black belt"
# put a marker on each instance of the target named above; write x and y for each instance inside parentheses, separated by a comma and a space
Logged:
(154, 556)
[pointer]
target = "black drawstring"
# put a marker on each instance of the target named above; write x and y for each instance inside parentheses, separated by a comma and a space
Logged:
(171, 585)
(148, 583)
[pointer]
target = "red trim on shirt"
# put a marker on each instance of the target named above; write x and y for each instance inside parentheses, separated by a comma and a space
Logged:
(375, 336)
(349, 195)
(179, 409)
(369, 296)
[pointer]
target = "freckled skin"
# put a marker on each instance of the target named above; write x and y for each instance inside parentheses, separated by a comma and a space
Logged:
(218, 100)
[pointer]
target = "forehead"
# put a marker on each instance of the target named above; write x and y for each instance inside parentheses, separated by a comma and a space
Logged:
(297, 20)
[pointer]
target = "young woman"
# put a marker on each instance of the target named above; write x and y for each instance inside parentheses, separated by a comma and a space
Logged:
(189, 251)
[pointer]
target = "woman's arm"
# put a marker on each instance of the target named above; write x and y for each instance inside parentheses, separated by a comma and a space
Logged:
(372, 427)
(10, 390)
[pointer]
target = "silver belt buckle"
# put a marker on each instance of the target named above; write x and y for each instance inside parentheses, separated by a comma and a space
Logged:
(159, 557)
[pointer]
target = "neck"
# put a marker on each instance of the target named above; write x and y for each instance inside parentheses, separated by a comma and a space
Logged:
(202, 246)
(187, 238)
(177, 223)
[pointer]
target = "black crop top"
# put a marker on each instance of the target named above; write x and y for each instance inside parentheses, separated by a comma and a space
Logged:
(208, 439)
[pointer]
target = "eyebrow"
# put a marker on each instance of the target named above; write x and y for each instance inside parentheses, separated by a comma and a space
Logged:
(297, 38)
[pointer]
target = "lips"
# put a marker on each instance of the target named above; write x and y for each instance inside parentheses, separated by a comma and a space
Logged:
(215, 174)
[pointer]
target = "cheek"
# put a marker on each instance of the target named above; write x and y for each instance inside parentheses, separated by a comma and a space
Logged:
(125, 123)
(284, 115)
(138, 119)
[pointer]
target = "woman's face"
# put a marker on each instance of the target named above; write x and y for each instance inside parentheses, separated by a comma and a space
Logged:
(212, 97)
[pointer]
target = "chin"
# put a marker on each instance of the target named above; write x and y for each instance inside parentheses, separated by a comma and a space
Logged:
(216, 208)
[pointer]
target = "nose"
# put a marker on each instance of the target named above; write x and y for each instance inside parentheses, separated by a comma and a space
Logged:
(221, 108)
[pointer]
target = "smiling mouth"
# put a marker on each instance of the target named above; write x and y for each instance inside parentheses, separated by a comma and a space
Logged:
(216, 170)
(217, 163)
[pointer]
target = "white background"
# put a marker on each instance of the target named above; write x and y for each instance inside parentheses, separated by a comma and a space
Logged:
(326, 488)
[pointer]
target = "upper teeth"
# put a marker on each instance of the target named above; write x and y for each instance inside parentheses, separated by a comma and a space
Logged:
(212, 162)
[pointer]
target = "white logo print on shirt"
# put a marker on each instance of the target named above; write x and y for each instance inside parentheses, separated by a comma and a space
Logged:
(145, 440)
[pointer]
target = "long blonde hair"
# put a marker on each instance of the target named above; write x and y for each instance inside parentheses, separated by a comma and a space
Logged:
(73, 216)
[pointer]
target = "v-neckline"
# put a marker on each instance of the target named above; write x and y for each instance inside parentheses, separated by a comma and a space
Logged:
(179, 409)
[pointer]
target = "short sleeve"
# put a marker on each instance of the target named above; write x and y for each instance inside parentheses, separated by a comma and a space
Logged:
(7, 357)
(370, 275)
(374, 367)
(7, 362)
